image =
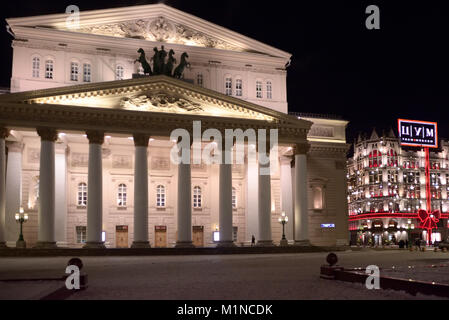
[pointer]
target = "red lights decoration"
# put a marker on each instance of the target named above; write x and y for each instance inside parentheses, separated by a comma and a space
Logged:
(429, 221)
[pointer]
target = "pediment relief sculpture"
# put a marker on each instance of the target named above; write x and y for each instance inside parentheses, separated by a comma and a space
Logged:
(161, 102)
(160, 30)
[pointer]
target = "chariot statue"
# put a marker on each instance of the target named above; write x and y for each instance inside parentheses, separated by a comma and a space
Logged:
(163, 65)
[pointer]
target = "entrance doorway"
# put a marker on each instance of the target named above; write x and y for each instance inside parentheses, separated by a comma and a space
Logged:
(160, 235)
(121, 236)
(198, 236)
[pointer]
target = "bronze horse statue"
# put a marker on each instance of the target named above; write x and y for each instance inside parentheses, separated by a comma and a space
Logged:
(144, 63)
(182, 65)
(168, 69)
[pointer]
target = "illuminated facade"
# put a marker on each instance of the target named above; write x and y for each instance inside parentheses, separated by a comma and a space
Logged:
(387, 187)
(88, 109)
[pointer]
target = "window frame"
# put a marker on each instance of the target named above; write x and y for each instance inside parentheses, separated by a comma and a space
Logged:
(74, 71)
(82, 195)
(122, 195)
(197, 202)
(36, 67)
(161, 196)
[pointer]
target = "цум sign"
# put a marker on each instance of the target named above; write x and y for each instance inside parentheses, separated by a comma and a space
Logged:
(418, 133)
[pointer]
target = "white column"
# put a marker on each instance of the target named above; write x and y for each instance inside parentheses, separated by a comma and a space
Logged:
(301, 206)
(61, 194)
(141, 192)
(46, 212)
(3, 135)
(265, 238)
(13, 191)
(184, 206)
(95, 191)
(225, 202)
(252, 198)
(287, 194)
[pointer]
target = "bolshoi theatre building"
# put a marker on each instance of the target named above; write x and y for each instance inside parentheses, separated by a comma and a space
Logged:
(85, 137)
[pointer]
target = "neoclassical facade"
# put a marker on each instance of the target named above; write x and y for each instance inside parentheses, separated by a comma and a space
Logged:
(85, 145)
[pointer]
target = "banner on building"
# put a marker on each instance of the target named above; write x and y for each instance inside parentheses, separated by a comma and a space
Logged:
(414, 133)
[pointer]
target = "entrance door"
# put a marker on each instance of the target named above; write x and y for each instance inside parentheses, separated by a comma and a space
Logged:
(121, 236)
(198, 236)
(160, 237)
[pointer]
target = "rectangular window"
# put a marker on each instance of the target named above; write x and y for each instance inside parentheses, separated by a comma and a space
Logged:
(269, 90)
(74, 71)
(239, 87)
(36, 67)
(200, 80)
(49, 69)
(259, 90)
(119, 73)
(86, 72)
(81, 234)
(228, 87)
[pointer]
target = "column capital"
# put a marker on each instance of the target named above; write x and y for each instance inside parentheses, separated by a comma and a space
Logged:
(141, 140)
(301, 148)
(285, 160)
(95, 137)
(4, 133)
(48, 134)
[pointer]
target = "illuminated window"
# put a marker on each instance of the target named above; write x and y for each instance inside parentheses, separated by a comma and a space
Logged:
(269, 90)
(375, 159)
(81, 234)
(234, 198)
(49, 69)
(87, 72)
(392, 158)
(197, 197)
(228, 86)
(122, 195)
(200, 79)
(74, 71)
(318, 198)
(239, 87)
(82, 194)
(119, 73)
(36, 67)
(160, 196)
(259, 89)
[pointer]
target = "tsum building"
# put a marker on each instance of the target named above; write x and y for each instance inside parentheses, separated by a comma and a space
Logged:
(85, 138)
(387, 187)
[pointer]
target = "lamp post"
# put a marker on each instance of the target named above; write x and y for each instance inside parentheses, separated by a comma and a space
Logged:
(283, 220)
(21, 218)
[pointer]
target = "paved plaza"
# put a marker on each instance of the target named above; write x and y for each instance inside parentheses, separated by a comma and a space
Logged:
(236, 277)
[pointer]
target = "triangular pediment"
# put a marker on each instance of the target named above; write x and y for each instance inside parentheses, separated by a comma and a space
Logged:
(155, 23)
(157, 94)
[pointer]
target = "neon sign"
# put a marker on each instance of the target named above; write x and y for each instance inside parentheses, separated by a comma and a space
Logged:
(414, 133)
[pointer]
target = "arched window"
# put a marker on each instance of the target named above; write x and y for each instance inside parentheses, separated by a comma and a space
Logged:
(238, 87)
(119, 73)
(269, 90)
(36, 67)
(87, 74)
(234, 198)
(122, 195)
(200, 79)
(49, 69)
(82, 194)
(228, 86)
(392, 158)
(259, 94)
(375, 159)
(197, 197)
(74, 69)
(160, 196)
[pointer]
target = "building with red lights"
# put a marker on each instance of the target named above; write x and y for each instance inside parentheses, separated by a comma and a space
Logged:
(387, 188)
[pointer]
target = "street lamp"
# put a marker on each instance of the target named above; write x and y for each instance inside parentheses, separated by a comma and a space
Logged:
(283, 220)
(21, 218)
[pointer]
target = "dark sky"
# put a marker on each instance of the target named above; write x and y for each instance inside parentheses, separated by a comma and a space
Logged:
(339, 67)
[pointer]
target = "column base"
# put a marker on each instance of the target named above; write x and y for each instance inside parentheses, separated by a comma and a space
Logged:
(140, 245)
(226, 244)
(265, 243)
(94, 245)
(3, 245)
(45, 245)
(302, 243)
(284, 243)
(184, 244)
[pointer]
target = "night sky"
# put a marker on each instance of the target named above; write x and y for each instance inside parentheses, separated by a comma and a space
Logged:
(338, 67)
